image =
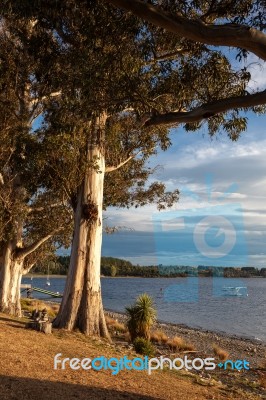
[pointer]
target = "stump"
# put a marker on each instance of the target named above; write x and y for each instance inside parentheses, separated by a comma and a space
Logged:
(40, 322)
(46, 327)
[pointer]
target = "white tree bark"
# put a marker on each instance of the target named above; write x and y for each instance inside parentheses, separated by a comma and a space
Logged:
(11, 270)
(81, 305)
(12, 261)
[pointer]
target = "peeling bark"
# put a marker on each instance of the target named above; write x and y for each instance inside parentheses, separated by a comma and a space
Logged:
(81, 305)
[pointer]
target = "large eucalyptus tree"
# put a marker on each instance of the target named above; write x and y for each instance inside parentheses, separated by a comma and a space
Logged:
(117, 73)
(30, 215)
(122, 84)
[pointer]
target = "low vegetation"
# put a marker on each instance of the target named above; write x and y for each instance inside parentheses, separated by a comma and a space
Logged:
(30, 305)
(220, 353)
(141, 317)
(144, 347)
(115, 326)
(159, 337)
(178, 343)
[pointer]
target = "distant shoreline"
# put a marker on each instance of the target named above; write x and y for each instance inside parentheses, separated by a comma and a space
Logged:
(143, 277)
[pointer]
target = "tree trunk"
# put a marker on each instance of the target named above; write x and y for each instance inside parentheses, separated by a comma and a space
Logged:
(10, 278)
(81, 305)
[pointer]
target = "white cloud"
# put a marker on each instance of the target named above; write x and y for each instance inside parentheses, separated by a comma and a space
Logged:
(186, 166)
(257, 69)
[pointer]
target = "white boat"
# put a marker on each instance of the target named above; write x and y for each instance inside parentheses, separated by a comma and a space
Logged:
(234, 290)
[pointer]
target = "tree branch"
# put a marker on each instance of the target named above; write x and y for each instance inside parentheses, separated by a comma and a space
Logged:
(208, 110)
(24, 252)
(115, 167)
(40, 209)
(167, 56)
(37, 100)
(231, 35)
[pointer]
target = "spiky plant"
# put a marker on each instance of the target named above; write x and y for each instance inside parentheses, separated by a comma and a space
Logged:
(141, 317)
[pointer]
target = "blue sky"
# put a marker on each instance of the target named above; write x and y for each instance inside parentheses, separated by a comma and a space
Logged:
(206, 226)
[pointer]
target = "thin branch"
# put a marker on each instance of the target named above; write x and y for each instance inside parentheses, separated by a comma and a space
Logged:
(27, 269)
(208, 110)
(116, 167)
(167, 56)
(40, 209)
(232, 35)
(37, 100)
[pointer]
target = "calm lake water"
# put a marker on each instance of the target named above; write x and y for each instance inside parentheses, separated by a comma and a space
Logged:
(193, 302)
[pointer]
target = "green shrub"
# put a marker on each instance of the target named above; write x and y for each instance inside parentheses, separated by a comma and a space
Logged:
(141, 317)
(143, 346)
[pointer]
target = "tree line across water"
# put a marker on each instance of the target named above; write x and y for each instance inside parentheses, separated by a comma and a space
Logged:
(116, 267)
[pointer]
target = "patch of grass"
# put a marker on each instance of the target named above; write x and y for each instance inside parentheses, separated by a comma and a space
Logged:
(114, 325)
(222, 354)
(127, 337)
(32, 304)
(178, 343)
(119, 327)
(159, 337)
(109, 321)
(144, 347)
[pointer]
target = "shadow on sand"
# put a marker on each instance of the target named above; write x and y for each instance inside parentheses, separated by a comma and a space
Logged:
(17, 388)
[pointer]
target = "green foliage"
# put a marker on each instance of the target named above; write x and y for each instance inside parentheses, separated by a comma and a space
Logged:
(117, 262)
(144, 347)
(113, 271)
(141, 317)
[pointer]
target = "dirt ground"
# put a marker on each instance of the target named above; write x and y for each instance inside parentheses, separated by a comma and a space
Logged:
(27, 371)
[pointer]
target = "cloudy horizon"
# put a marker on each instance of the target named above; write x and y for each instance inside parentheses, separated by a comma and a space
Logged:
(209, 173)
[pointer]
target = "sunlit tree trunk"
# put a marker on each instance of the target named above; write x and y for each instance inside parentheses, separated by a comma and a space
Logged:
(81, 305)
(11, 269)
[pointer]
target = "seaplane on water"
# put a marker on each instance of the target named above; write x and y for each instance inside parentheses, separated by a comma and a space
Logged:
(234, 290)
